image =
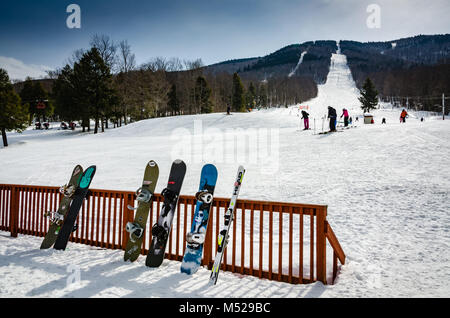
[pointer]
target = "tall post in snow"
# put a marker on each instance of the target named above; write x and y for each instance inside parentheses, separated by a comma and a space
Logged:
(443, 106)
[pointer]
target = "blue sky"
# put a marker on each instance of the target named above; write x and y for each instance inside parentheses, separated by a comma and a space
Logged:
(34, 35)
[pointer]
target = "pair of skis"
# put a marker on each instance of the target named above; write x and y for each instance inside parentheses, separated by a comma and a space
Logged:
(62, 222)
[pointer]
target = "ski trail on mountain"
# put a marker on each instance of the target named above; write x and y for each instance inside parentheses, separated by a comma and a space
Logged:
(339, 90)
(298, 64)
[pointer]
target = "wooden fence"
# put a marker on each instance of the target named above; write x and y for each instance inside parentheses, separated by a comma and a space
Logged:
(278, 241)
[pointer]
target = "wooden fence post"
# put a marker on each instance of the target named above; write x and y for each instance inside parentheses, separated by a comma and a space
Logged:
(321, 252)
(14, 211)
(128, 216)
(207, 251)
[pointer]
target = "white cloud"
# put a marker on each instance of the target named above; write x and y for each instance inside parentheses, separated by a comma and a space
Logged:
(18, 70)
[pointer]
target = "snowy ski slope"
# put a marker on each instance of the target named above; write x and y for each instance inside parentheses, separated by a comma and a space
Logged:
(386, 187)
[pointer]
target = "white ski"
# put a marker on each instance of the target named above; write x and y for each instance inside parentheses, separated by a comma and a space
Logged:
(222, 240)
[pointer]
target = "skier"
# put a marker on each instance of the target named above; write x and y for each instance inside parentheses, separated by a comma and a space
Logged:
(305, 117)
(63, 125)
(346, 116)
(332, 115)
(228, 110)
(403, 116)
(383, 121)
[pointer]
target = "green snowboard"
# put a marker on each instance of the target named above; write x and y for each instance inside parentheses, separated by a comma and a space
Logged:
(58, 217)
(145, 201)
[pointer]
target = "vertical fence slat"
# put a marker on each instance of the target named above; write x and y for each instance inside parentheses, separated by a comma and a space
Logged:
(291, 221)
(177, 242)
(252, 219)
(311, 247)
(121, 221)
(243, 240)
(300, 265)
(270, 240)
(22, 209)
(103, 231)
(261, 245)
(321, 252)
(233, 258)
(108, 239)
(280, 245)
(185, 231)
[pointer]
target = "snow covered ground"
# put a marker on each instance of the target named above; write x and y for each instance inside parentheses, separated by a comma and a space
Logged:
(386, 187)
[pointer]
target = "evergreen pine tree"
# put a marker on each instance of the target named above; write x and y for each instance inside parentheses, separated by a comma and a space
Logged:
(203, 96)
(93, 89)
(172, 99)
(13, 116)
(369, 96)
(251, 96)
(238, 97)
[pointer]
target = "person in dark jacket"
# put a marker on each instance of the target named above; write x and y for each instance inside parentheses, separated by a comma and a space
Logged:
(305, 117)
(332, 115)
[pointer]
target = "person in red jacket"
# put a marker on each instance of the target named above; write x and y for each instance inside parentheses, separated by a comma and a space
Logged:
(403, 116)
(346, 116)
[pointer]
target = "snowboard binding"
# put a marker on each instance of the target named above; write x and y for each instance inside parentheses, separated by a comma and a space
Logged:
(195, 239)
(142, 195)
(204, 196)
(135, 231)
(169, 195)
(169, 198)
(67, 190)
(54, 217)
(159, 232)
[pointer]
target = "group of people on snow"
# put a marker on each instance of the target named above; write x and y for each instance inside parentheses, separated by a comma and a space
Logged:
(332, 115)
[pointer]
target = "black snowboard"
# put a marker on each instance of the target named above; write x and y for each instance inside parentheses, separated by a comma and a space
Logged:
(161, 229)
(77, 202)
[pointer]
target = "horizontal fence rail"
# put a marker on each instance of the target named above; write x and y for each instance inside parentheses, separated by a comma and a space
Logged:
(285, 242)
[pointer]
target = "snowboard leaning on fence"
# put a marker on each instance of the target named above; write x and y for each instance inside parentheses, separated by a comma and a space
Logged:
(145, 201)
(57, 218)
(222, 240)
(78, 199)
(161, 229)
(196, 237)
